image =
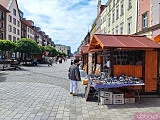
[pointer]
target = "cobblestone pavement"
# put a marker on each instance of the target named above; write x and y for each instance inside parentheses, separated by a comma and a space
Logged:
(41, 93)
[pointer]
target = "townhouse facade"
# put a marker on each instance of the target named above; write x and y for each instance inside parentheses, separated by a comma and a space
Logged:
(64, 49)
(121, 16)
(149, 18)
(140, 17)
(17, 27)
(3, 15)
(13, 25)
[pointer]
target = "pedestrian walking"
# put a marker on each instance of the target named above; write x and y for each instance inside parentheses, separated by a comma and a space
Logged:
(74, 76)
(50, 61)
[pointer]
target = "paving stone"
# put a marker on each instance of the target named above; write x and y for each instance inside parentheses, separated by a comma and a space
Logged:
(42, 93)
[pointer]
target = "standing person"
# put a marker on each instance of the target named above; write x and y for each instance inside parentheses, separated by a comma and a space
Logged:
(74, 76)
(72, 62)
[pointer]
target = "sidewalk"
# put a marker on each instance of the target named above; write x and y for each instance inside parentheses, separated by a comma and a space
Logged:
(42, 93)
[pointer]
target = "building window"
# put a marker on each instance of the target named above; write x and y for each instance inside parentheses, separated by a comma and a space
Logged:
(113, 3)
(10, 28)
(9, 37)
(14, 30)
(1, 15)
(14, 12)
(17, 23)
(113, 15)
(14, 39)
(14, 21)
(17, 31)
(122, 9)
(129, 26)
(121, 28)
(110, 7)
(109, 21)
(10, 18)
(144, 20)
(129, 4)
(1, 24)
(1, 35)
(113, 31)
(117, 14)
(116, 29)
(104, 29)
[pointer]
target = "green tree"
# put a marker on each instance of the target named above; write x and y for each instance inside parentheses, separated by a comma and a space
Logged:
(52, 51)
(26, 45)
(7, 45)
(42, 49)
(63, 54)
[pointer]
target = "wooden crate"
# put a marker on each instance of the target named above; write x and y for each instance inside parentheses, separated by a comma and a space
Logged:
(105, 101)
(129, 100)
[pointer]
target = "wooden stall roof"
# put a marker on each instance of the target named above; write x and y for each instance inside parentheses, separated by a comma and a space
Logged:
(103, 41)
(157, 38)
(77, 55)
(84, 49)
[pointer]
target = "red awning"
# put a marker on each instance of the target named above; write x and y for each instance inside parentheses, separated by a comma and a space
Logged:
(103, 41)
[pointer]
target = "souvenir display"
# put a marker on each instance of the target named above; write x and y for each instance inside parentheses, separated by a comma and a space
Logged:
(123, 79)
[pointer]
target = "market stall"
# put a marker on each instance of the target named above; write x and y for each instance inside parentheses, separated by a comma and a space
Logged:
(135, 56)
(84, 54)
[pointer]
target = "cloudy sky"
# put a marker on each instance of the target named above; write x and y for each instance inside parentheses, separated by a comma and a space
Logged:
(65, 21)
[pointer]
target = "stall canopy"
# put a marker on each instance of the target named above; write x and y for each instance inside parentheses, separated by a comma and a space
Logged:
(84, 49)
(157, 38)
(77, 55)
(103, 41)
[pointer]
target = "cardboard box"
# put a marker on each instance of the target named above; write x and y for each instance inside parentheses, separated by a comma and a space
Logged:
(84, 81)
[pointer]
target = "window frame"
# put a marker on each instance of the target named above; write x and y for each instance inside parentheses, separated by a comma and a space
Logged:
(122, 28)
(113, 16)
(14, 30)
(129, 4)
(9, 28)
(117, 13)
(122, 8)
(14, 12)
(129, 25)
(14, 21)
(144, 20)
(10, 18)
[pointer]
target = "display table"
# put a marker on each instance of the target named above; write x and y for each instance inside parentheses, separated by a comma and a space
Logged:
(114, 85)
(12, 63)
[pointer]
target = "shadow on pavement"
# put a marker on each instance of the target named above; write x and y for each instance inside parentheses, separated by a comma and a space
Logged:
(2, 78)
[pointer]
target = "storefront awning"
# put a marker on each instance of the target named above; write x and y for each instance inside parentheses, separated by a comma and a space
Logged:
(104, 41)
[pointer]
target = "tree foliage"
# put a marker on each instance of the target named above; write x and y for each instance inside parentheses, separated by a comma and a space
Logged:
(26, 45)
(52, 51)
(7, 45)
(42, 49)
(63, 54)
